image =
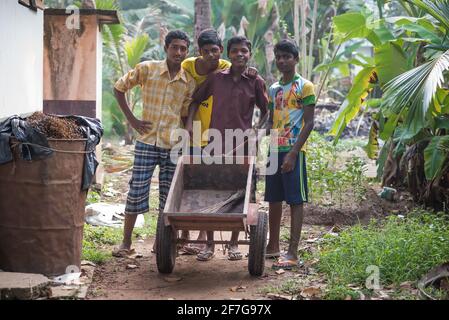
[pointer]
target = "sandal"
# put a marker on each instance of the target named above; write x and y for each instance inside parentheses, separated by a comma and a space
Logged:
(272, 255)
(122, 253)
(190, 250)
(205, 255)
(234, 254)
(286, 264)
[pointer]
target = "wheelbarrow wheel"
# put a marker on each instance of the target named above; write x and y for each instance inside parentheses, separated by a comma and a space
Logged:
(257, 245)
(165, 246)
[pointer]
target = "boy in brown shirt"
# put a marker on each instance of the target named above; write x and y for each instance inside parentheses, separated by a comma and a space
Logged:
(235, 94)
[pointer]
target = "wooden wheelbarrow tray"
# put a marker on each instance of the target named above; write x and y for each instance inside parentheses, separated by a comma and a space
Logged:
(197, 185)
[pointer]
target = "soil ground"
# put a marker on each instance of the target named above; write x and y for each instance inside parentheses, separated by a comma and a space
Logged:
(220, 278)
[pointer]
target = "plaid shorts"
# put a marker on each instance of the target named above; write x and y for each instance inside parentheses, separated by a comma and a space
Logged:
(146, 158)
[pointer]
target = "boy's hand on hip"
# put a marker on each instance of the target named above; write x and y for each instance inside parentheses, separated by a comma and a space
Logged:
(141, 126)
(289, 162)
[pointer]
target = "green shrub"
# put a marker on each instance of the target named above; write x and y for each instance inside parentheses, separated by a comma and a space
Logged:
(402, 248)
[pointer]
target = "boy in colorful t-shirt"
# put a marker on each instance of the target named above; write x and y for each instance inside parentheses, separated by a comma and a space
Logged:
(292, 105)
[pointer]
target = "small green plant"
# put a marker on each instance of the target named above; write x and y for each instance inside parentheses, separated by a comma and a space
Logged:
(102, 235)
(96, 242)
(326, 178)
(341, 292)
(95, 255)
(93, 197)
(289, 286)
(355, 169)
(149, 229)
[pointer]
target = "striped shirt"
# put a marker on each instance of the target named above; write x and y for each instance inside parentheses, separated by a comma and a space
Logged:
(165, 100)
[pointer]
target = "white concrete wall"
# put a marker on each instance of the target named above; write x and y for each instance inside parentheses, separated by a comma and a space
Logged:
(21, 59)
(99, 74)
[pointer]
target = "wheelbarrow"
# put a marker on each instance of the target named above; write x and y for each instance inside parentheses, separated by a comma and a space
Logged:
(197, 185)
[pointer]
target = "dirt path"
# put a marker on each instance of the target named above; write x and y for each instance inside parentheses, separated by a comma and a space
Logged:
(218, 278)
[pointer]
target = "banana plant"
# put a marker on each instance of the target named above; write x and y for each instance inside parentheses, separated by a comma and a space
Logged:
(121, 53)
(257, 20)
(411, 59)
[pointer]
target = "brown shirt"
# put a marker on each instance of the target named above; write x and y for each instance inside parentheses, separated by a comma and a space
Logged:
(233, 101)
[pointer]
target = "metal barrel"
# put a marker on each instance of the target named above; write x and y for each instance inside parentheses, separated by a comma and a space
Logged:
(42, 211)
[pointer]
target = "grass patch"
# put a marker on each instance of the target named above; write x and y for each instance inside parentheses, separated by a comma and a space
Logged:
(149, 229)
(290, 286)
(93, 197)
(97, 240)
(402, 248)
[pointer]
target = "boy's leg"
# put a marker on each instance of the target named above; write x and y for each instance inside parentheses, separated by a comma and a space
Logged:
(297, 216)
(139, 188)
(274, 194)
(296, 193)
(275, 215)
(166, 171)
(208, 252)
(234, 252)
(130, 221)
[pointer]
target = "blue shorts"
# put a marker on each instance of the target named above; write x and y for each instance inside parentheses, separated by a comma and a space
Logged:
(290, 187)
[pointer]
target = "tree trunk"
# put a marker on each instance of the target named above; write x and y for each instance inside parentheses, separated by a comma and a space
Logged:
(202, 18)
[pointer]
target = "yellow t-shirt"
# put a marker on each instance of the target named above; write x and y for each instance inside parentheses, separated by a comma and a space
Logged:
(204, 111)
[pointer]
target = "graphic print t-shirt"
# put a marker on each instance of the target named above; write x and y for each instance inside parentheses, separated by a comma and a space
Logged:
(287, 102)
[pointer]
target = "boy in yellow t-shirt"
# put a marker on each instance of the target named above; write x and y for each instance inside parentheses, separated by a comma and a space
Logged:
(200, 67)
(208, 62)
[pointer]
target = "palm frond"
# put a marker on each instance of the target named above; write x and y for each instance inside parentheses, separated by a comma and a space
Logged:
(135, 48)
(439, 9)
(107, 4)
(415, 89)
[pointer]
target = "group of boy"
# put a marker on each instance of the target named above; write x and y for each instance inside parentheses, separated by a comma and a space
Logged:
(220, 95)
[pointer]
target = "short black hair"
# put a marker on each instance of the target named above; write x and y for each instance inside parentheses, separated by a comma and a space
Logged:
(176, 34)
(287, 46)
(209, 36)
(238, 39)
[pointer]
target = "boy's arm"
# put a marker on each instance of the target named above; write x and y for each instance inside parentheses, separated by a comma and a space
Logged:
(261, 99)
(203, 92)
(139, 125)
(189, 121)
(128, 81)
(290, 158)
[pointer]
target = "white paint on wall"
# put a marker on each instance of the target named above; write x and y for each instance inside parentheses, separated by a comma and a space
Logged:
(99, 79)
(21, 59)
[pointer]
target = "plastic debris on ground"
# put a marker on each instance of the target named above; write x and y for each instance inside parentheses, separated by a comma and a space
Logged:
(109, 215)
